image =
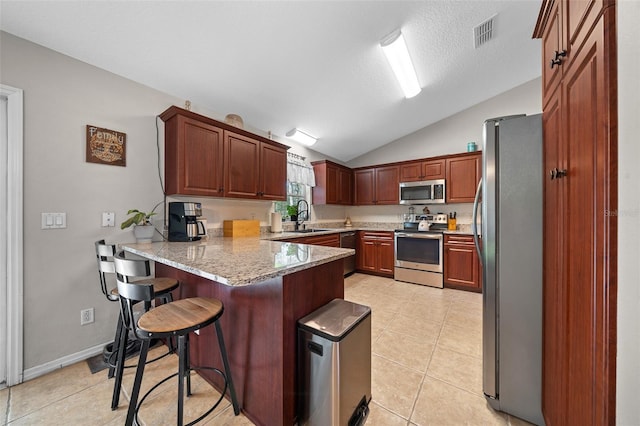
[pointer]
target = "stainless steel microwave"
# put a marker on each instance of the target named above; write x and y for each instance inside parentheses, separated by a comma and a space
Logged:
(423, 192)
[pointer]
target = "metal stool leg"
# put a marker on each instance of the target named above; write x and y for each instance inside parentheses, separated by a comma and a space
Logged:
(182, 345)
(122, 346)
(187, 363)
(132, 411)
(115, 347)
(227, 370)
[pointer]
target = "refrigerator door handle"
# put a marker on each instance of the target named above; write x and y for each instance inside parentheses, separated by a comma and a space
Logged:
(474, 222)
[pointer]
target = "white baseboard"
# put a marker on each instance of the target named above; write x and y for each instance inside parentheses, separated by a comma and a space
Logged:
(50, 366)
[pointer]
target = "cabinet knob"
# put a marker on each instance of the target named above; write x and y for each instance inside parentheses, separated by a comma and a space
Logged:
(556, 60)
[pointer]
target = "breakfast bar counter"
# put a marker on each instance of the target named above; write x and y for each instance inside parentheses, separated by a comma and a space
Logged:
(266, 286)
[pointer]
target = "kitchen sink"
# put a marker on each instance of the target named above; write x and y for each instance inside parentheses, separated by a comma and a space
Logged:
(306, 231)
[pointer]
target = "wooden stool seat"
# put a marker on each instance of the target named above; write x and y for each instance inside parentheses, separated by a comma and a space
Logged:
(160, 285)
(180, 316)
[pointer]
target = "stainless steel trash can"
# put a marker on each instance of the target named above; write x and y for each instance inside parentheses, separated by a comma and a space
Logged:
(334, 365)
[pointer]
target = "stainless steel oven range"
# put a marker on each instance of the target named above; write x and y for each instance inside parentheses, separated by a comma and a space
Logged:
(419, 253)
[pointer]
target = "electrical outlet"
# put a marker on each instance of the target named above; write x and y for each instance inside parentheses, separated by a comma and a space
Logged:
(86, 316)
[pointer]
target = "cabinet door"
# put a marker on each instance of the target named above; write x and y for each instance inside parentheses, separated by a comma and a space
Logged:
(579, 18)
(589, 238)
(552, 41)
(387, 185)
(345, 187)
(386, 256)
(364, 186)
(366, 255)
(433, 169)
(411, 172)
(461, 265)
(331, 187)
(273, 175)
(463, 175)
(553, 402)
(193, 158)
(242, 166)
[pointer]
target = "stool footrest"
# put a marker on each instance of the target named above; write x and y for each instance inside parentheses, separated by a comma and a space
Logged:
(213, 407)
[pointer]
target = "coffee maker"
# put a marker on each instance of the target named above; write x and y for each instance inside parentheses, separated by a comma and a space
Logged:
(183, 221)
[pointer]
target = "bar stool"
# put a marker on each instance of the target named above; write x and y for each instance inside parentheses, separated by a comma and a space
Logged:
(178, 318)
(162, 286)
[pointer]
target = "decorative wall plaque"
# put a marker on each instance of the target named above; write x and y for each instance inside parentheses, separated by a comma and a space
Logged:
(106, 146)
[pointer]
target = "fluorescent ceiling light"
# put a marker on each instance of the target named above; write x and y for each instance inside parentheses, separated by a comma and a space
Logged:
(302, 137)
(395, 48)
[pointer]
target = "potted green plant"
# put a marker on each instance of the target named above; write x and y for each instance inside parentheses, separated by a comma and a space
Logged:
(292, 211)
(143, 229)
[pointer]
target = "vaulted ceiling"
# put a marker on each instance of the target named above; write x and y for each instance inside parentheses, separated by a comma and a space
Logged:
(315, 65)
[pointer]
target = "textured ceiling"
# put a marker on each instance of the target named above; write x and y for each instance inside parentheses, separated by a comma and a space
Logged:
(315, 65)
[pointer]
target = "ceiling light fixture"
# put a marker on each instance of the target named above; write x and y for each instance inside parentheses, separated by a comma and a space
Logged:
(395, 49)
(302, 137)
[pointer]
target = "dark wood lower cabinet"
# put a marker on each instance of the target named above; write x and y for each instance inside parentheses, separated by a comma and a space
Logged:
(461, 264)
(376, 253)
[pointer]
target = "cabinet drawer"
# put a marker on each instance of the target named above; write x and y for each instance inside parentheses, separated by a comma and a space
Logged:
(376, 235)
(458, 239)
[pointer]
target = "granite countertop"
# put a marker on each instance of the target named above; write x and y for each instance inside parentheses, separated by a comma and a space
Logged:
(462, 229)
(285, 235)
(238, 261)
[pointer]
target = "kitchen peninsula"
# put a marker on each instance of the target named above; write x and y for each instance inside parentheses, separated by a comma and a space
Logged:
(266, 286)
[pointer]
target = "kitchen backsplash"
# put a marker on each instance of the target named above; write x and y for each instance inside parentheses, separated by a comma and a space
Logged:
(215, 211)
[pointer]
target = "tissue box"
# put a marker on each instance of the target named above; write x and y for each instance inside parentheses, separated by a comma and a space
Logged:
(241, 228)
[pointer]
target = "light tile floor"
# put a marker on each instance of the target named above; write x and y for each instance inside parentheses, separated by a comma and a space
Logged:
(426, 370)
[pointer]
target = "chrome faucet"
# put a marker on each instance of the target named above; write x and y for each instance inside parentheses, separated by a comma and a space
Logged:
(302, 217)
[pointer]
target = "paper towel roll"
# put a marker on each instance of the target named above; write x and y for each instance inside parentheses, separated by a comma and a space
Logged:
(276, 222)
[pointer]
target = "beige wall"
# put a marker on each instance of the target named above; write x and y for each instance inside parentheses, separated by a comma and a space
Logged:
(61, 96)
(450, 136)
(628, 373)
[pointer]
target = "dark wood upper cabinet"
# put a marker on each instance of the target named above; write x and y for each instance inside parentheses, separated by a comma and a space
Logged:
(580, 238)
(376, 185)
(206, 157)
(273, 172)
(463, 174)
(193, 157)
(422, 170)
(242, 163)
(254, 169)
(334, 183)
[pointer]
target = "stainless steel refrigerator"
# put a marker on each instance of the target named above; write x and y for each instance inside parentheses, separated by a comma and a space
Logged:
(510, 248)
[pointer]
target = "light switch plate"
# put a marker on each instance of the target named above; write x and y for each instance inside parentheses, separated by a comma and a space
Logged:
(54, 220)
(108, 219)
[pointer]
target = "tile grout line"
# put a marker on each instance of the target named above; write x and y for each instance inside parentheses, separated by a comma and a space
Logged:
(435, 345)
(6, 413)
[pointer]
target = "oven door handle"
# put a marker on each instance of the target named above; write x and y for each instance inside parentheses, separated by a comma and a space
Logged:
(417, 235)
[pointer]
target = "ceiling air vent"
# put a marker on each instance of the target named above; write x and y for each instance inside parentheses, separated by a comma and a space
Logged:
(483, 32)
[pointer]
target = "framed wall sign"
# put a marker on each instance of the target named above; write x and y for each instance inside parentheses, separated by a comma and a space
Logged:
(106, 146)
